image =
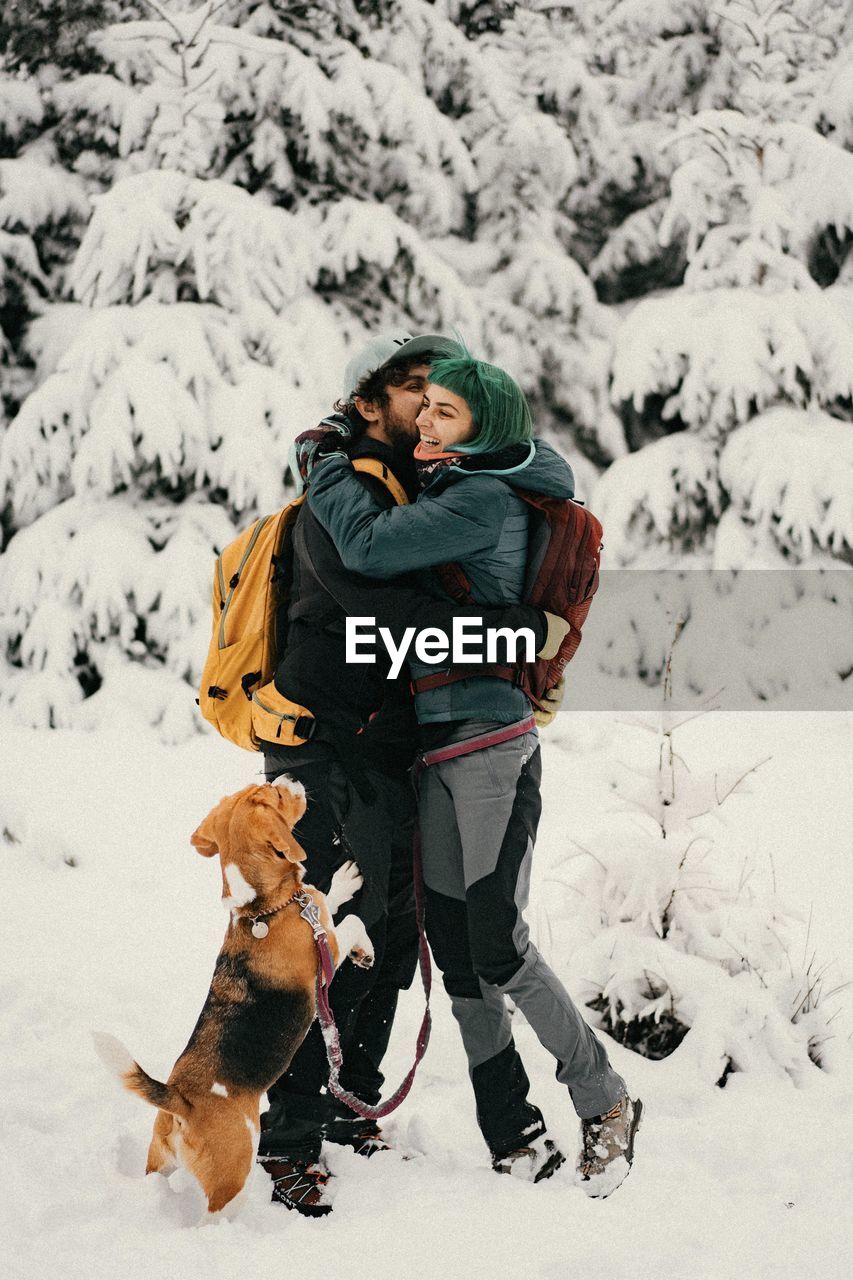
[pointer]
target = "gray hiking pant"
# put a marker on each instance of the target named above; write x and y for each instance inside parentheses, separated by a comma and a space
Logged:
(478, 817)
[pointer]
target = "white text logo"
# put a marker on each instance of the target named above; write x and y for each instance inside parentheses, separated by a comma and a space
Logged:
(470, 642)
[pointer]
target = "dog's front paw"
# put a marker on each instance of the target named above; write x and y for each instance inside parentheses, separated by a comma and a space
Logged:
(362, 956)
(354, 942)
(346, 883)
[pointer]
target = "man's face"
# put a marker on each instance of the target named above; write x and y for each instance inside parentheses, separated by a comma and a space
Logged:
(394, 423)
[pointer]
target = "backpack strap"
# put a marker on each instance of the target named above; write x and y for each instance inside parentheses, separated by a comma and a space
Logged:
(455, 582)
(373, 467)
(367, 466)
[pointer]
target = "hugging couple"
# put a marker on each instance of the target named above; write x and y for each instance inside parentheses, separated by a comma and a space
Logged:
(457, 435)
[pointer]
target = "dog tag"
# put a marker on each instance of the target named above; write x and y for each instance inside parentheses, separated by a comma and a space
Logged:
(260, 929)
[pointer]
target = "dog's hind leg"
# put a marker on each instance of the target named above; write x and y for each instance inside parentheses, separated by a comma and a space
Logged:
(161, 1152)
(228, 1160)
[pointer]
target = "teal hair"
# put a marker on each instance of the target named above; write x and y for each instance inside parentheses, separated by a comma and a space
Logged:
(498, 405)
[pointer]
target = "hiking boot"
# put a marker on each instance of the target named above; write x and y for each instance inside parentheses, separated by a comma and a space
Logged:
(299, 1185)
(363, 1136)
(534, 1163)
(608, 1147)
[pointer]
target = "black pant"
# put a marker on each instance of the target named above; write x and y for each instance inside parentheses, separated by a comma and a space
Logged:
(368, 817)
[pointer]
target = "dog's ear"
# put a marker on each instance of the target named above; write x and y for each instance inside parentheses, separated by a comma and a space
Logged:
(209, 835)
(206, 836)
(290, 797)
(289, 805)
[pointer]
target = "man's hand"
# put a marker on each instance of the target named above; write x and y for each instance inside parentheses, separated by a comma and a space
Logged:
(331, 436)
(552, 700)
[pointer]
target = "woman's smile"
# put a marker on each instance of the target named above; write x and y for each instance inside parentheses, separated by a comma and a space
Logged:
(445, 419)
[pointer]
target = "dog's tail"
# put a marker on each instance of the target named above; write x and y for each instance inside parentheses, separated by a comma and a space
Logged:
(117, 1060)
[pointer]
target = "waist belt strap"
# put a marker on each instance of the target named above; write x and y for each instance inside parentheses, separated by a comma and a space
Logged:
(440, 678)
(478, 743)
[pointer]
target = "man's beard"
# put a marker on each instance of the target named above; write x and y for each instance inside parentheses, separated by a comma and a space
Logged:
(401, 433)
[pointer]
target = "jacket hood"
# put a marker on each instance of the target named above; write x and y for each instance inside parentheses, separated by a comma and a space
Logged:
(539, 469)
(547, 473)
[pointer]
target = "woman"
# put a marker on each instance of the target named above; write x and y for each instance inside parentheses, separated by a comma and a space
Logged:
(479, 810)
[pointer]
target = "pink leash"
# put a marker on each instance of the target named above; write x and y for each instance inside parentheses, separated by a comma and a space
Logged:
(325, 973)
(326, 965)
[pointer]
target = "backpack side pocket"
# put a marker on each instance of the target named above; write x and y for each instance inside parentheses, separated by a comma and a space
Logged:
(279, 720)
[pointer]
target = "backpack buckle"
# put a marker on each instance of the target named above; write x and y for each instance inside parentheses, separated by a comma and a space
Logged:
(250, 678)
(304, 727)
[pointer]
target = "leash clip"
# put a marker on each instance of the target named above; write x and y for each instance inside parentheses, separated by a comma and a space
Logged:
(311, 912)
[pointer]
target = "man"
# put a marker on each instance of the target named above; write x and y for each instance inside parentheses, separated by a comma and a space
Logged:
(355, 770)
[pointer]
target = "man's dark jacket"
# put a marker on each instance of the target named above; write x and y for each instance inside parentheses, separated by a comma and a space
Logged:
(358, 710)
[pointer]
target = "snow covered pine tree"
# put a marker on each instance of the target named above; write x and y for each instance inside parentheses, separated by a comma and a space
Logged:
(244, 190)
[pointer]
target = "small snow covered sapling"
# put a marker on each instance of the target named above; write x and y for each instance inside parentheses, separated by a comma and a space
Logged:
(688, 948)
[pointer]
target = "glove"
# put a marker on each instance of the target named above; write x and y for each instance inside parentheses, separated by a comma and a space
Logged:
(558, 629)
(331, 436)
(553, 698)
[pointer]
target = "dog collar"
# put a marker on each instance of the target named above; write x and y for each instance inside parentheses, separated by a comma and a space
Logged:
(260, 928)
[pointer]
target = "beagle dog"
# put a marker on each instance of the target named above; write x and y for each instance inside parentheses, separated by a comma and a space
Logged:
(262, 997)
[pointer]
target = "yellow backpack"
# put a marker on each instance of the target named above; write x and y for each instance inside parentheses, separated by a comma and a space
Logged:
(250, 591)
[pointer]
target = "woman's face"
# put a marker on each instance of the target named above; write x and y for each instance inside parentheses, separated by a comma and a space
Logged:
(444, 421)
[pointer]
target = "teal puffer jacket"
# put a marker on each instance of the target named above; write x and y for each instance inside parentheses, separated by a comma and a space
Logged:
(469, 514)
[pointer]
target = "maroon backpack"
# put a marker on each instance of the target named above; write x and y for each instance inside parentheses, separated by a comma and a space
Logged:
(563, 557)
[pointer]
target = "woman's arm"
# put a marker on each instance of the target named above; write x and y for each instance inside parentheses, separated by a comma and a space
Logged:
(464, 518)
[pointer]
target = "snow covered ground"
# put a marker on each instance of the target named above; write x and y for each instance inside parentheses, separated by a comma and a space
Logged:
(751, 1180)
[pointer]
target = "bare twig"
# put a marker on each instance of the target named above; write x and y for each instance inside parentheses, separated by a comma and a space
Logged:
(722, 799)
(703, 710)
(745, 959)
(590, 854)
(205, 19)
(563, 885)
(783, 949)
(665, 921)
(842, 986)
(166, 17)
(638, 723)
